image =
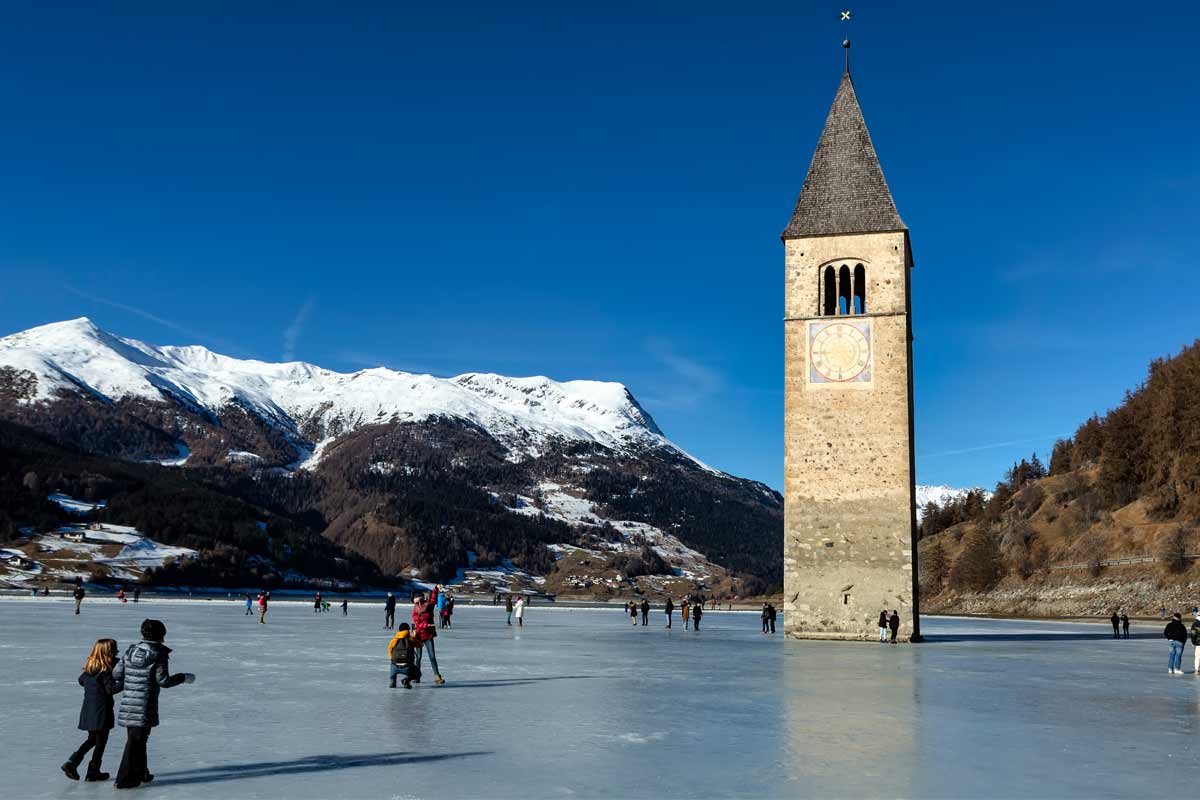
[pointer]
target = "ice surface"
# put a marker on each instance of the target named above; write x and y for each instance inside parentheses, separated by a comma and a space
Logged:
(579, 703)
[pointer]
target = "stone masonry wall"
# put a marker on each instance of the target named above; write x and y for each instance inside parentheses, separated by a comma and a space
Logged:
(848, 549)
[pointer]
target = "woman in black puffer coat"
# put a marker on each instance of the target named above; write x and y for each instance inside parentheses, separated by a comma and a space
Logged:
(96, 715)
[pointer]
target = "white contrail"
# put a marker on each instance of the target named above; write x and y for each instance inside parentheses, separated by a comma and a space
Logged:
(994, 446)
(291, 333)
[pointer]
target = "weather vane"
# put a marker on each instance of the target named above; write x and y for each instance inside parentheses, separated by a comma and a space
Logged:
(846, 41)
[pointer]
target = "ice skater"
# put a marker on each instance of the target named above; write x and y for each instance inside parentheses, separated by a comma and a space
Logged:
(1116, 623)
(389, 611)
(894, 624)
(508, 608)
(263, 599)
(697, 613)
(345, 607)
(668, 608)
(79, 595)
(1176, 636)
(645, 611)
(249, 605)
(317, 603)
(519, 611)
(402, 654)
(96, 715)
(140, 676)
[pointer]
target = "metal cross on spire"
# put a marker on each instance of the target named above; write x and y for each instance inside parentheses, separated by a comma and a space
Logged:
(846, 41)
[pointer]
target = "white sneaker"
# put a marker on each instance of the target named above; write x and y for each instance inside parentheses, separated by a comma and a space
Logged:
(1170, 672)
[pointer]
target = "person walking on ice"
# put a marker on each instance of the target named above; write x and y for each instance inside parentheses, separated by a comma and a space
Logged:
(249, 605)
(1176, 635)
(894, 624)
(1195, 635)
(669, 607)
(263, 599)
(697, 613)
(1116, 623)
(645, 611)
(389, 611)
(508, 608)
(140, 676)
(96, 715)
(345, 607)
(1124, 625)
(883, 626)
(519, 611)
(79, 595)
(685, 609)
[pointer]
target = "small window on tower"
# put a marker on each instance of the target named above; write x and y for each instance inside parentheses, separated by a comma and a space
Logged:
(860, 290)
(845, 292)
(829, 293)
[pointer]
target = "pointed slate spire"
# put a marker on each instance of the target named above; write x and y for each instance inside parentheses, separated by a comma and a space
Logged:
(845, 191)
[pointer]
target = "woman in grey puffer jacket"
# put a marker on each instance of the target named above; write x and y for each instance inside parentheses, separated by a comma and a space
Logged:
(142, 673)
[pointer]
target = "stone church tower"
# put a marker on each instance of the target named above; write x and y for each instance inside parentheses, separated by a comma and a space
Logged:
(849, 491)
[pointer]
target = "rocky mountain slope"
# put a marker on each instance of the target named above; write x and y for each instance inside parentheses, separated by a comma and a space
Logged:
(1112, 522)
(417, 474)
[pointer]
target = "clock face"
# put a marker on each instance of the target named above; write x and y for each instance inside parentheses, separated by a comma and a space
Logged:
(840, 352)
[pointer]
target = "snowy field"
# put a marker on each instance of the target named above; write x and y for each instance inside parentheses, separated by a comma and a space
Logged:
(580, 704)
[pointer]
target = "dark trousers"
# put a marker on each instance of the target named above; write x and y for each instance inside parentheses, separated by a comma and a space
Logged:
(133, 769)
(389, 619)
(894, 631)
(766, 625)
(645, 617)
(1116, 635)
(97, 740)
(668, 619)
(772, 621)
(1126, 631)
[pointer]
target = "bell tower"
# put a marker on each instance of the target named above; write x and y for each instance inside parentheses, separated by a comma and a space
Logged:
(849, 490)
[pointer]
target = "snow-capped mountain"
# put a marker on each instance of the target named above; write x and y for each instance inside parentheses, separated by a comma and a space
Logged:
(938, 494)
(312, 405)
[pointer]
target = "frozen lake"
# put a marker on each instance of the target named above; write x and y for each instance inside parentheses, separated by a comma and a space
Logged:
(580, 704)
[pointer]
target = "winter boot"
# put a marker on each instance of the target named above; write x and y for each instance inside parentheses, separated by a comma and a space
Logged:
(406, 683)
(69, 770)
(96, 776)
(439, 680)
(392, 682)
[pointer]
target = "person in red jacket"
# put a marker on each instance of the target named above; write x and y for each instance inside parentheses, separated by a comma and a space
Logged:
(425, 631)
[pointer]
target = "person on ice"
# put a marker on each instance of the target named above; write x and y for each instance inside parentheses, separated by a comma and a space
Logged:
(771, 614)
(697, 613)
(140, 676)
(894, 624)
(96, 715)
(1124, 625)
(79, 595)
(1116, 623)
(1176, 636)
(669, 607)
(685, 609)
(883, 626)
(345, 607)
(519, 611)
(1195, 635)
(425, 632)
(508, 607)
(249, 605)
(645, 611)
(633, 608)
(402, 654)
(765, 616)
(389, 612)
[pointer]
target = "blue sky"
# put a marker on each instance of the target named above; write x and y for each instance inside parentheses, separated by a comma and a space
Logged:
(595, 190)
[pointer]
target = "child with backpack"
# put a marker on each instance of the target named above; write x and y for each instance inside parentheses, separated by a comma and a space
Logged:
(401, 652)
(96, 714)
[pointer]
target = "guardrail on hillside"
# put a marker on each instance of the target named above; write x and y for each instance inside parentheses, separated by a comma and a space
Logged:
(1114, 562)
